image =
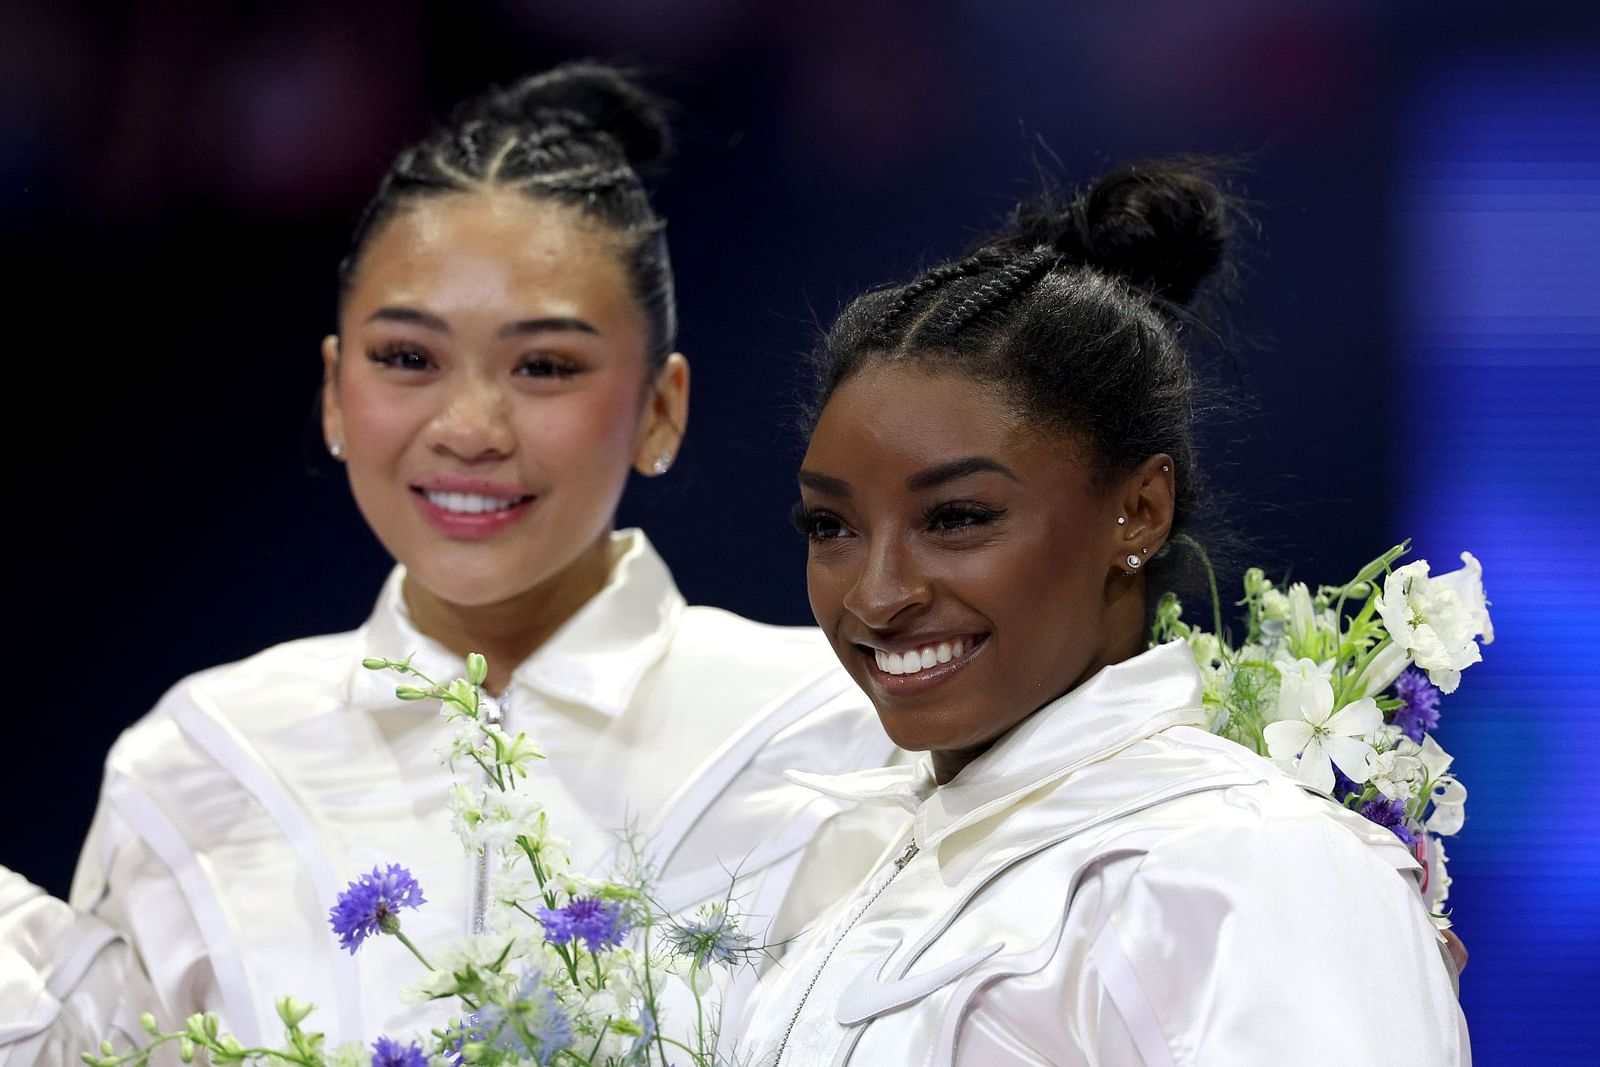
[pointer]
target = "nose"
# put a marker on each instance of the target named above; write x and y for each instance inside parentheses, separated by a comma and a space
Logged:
(889, 587)
(474, 424)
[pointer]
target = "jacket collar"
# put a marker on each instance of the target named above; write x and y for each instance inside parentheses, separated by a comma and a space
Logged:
(596, 659)
(1121, 705)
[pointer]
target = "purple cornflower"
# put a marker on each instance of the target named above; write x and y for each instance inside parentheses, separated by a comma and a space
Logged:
(371, 905)
(1390, 814)
(1419, 704)
(387, 1052)
(598, 924)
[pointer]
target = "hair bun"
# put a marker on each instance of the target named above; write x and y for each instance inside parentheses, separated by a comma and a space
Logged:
(604, 97)
(1160, 226)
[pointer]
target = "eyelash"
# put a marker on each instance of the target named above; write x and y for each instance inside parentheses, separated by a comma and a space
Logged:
(391, 356)
(808, 521)
(410, 357)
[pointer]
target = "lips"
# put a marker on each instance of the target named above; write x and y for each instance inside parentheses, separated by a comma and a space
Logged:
(471, 509)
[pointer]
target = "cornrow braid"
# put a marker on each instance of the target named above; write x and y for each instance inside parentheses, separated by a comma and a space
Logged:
(574, 135)
(989, 297)
(905, 300)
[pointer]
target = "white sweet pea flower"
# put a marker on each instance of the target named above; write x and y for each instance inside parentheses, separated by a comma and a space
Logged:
(1435, 878)
(1449, 806)
(1467, 584)
(1431, 622)
(1302, 614)
(1434, 759)
(1319, 734)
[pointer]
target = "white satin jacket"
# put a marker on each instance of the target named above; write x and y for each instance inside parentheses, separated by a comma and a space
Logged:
(1110, 884)
(233, 813)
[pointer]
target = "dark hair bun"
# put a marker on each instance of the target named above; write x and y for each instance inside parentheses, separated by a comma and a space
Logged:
(1161, 226)
(598, 95)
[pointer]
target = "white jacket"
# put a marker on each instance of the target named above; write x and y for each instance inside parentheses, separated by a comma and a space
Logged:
(1110, 884)
(233, 813)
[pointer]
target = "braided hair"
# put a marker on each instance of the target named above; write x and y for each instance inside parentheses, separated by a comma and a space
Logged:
(1073, 310)
(579, 134)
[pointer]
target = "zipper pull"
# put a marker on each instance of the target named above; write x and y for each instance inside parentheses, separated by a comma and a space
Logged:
(905, 857)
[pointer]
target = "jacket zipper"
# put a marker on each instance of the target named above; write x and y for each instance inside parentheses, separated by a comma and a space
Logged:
(899, 865)
(494, 714)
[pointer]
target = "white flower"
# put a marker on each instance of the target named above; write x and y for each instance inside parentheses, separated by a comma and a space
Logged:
(1302, 615)
(1435, 877)
(1319, 734)
(1449, 806)
(350, 1054)
(1467, 584)
(1295, 676)
(1381, 671)
(1432, 623)
(1396, 775)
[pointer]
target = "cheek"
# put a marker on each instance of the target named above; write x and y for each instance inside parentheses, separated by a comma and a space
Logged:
(593, 430)
(379, 422)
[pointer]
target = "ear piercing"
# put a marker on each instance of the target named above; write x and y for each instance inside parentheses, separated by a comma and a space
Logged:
(1133, 562)
(1165, 468)
(1122, 520)
(662, 463)
(336, 448)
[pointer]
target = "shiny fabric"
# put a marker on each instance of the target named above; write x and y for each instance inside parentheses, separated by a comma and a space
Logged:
(1110, 884)
(233, 813)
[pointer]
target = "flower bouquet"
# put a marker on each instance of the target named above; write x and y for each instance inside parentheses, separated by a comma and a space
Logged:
(561, 969)
(1340, 687)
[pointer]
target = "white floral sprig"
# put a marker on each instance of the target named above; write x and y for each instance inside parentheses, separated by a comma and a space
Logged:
(1330, 686)
(566, 970)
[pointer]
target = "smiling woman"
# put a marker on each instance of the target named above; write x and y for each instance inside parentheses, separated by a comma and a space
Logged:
(505, 356)
(1001, 453)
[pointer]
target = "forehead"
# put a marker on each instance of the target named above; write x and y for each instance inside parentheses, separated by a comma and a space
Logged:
(910, 416)
(495, 247)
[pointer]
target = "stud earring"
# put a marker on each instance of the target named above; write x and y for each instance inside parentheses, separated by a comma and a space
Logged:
(336, 448)
(1145, 551)
(1165, 468)
(662, 464)
(1122, 520)
(1134, 561)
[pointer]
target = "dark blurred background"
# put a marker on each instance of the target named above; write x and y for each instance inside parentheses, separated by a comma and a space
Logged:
(1422, 312)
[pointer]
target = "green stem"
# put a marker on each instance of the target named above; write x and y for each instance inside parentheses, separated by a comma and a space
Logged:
(406, 941)
(1211, 580)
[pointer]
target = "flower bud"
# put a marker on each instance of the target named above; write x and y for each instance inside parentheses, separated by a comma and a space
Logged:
(186, 1050)
(107, 1047)
(147, 1023)
(410, 692)
(293, 1012)
(375, 663)
(477, 668)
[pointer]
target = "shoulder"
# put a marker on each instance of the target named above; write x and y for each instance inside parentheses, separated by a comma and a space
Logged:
(302, 676)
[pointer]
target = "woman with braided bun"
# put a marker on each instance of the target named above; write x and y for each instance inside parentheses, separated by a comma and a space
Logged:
(999, 464)
(504, 358)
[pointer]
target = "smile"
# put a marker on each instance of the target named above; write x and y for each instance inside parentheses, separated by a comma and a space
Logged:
(471, 503)
(463, 516)
(924, 665)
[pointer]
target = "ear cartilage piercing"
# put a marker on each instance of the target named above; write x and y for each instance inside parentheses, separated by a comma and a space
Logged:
(1165, 468)
(662, 464)
(1145, 551)
(1134, 561)
(1122, 520)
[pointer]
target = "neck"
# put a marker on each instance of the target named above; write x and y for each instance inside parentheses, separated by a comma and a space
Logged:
(509, 631)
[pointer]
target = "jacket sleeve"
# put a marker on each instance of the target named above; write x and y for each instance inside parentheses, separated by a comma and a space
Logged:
(68, 981)
(1288, 941)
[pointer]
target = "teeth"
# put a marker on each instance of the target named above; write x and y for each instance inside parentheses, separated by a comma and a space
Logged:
(469, 503)
(918, 659)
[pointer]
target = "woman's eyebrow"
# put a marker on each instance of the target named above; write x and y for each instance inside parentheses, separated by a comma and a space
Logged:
(823, 483)
(411, 317)
(549, 324)
(957, 468)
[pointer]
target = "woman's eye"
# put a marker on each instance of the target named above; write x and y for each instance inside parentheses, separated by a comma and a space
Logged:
(950, 518)
(401, 357)
(547, 367)
(817, 525)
